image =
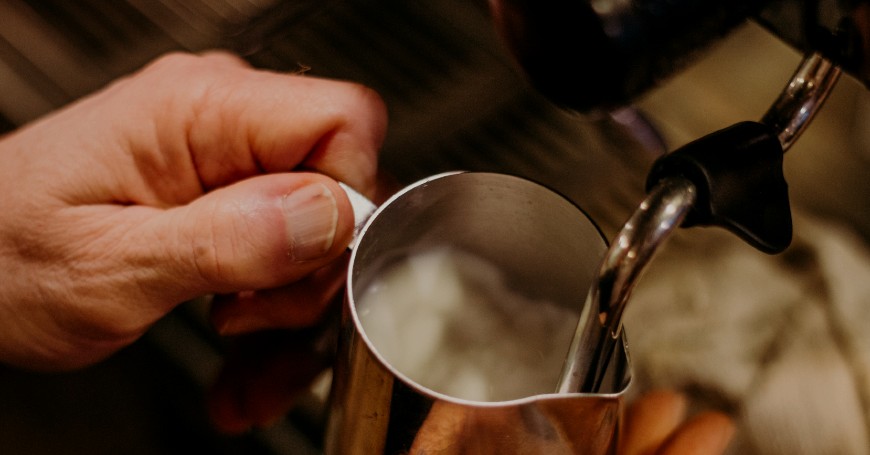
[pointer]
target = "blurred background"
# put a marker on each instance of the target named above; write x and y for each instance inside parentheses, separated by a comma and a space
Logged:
(779, 341)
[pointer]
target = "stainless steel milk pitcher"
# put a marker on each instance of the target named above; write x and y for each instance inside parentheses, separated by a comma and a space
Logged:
(547, 247)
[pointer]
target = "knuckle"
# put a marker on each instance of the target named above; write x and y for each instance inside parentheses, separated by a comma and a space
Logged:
(171, 61)
(370, 96)
(189, 70)
(368, 100)
(205, 252)
(222, 252)
(207, 59)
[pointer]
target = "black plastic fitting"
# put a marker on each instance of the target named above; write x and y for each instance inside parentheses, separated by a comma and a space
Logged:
(738, 174)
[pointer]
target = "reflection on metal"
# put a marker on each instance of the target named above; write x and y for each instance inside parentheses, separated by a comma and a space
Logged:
(802, 98)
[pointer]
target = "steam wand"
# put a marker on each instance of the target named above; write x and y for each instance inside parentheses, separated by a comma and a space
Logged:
(732, 179)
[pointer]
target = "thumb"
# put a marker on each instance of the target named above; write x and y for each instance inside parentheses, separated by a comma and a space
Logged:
(258, 233)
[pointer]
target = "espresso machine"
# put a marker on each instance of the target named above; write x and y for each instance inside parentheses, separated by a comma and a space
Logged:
(731, 178)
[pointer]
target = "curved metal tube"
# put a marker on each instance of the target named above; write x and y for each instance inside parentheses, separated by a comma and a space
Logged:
(802, 98)
(600, 323)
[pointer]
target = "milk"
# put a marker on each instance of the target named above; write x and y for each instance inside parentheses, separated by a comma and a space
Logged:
(450, 321)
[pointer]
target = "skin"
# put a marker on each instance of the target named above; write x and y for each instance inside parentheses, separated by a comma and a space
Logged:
(657, 424)
(168, 185)
(195, 177)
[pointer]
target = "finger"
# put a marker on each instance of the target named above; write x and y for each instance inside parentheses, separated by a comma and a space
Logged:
(263, 376)
(296, 305)
(708, 433)
(260, 233)
(242, 122)
(186, 124)
(650, 420)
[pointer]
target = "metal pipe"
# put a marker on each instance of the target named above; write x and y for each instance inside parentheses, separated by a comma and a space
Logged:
(600, 323)
(802, 98)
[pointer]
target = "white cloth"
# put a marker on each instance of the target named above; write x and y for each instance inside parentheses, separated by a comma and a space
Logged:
(781, 341)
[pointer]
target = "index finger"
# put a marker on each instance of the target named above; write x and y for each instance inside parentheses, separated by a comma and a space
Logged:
(241, 121)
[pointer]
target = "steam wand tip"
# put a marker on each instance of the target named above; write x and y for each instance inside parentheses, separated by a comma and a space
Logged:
(600, 326)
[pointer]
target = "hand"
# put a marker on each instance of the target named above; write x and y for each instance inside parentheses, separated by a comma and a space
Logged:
(171, 184)
(656, 424)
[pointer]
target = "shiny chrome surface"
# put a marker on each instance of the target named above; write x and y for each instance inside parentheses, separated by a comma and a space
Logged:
(802, 98)
(547, 248)
(599, 329)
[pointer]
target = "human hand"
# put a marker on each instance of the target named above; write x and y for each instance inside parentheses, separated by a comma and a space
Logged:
(171, 184)
(656, 424)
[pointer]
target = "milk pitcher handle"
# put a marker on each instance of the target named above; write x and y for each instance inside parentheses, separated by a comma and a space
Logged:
(363, 209)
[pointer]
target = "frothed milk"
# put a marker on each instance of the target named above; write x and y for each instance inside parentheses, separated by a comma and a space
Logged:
(451, 322)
